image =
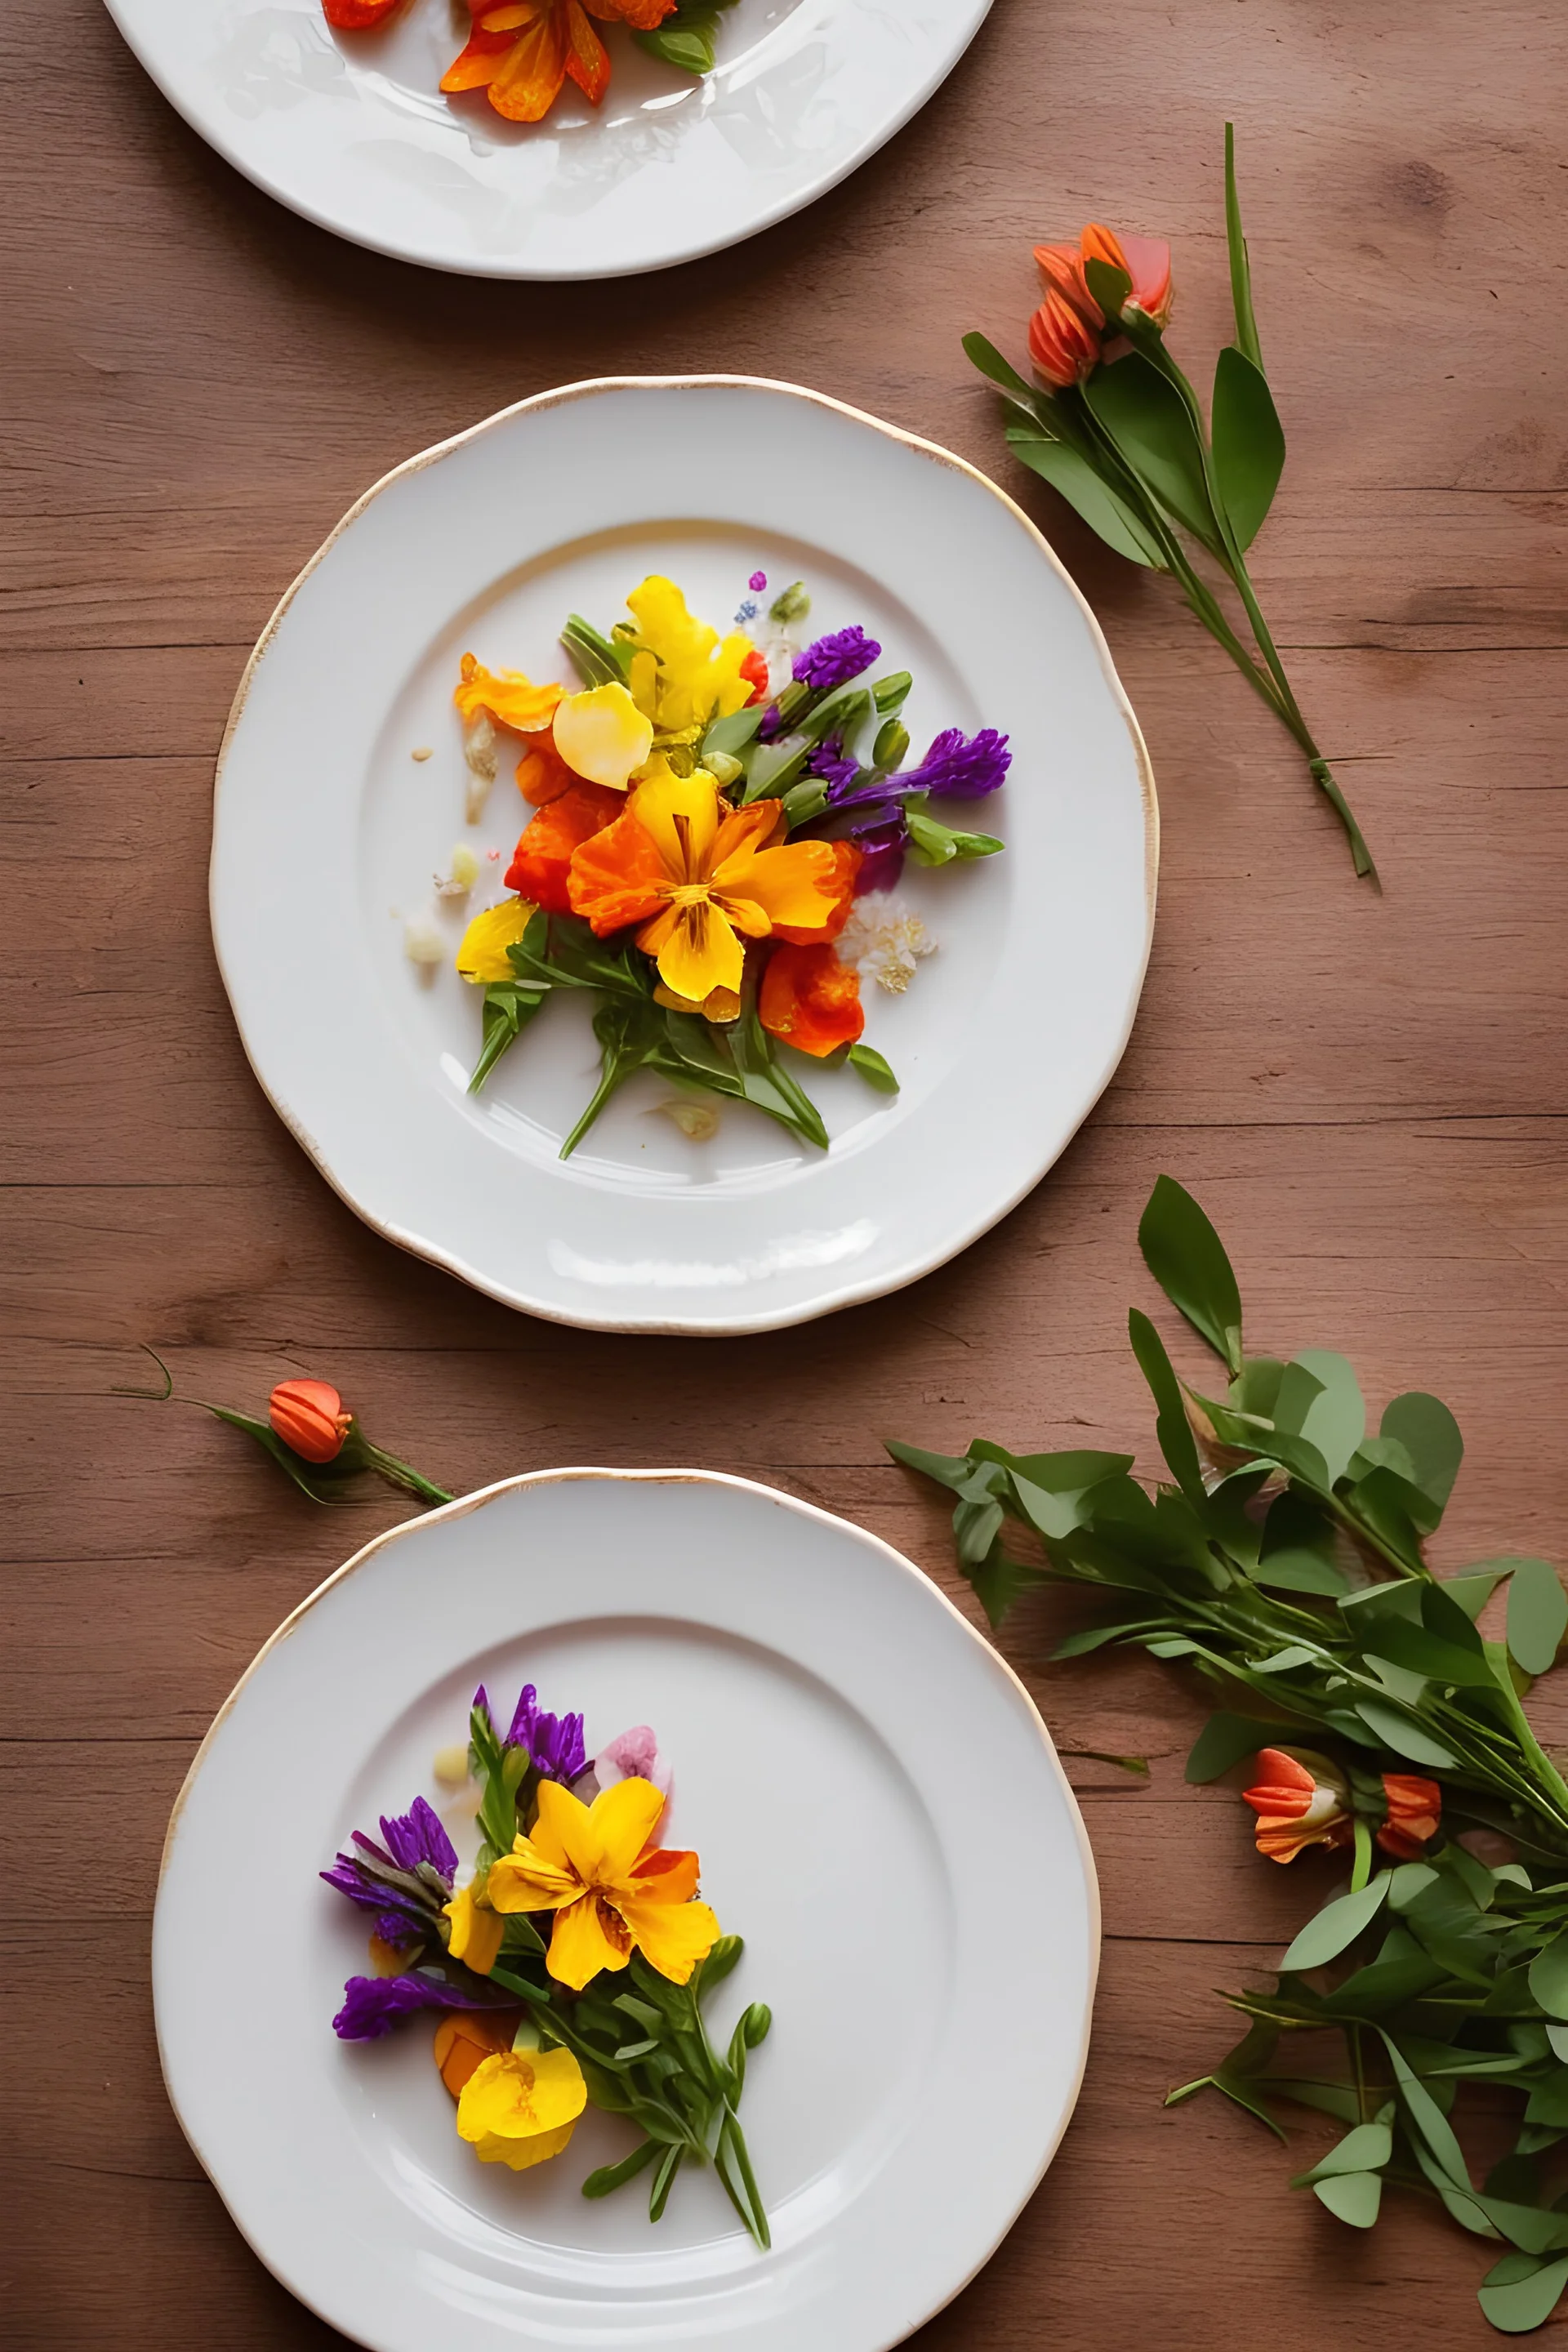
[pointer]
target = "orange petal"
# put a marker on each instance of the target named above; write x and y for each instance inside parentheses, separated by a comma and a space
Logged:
(619, 876)
(840, 887)
(811, 1000)
(1063, 346)
(464, 2043)
(668, 1875)
(542, 774)
(587, 59)
(643, 14)
(528, 81)
(541, 869)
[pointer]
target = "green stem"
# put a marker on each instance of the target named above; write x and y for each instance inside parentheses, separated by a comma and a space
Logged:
(399, 1474)
(616, 1075)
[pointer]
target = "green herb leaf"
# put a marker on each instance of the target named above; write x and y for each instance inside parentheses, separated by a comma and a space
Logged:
(1248, 444)
(1188, 1259)
(1177, 1443)
(1226, 1740)
(685, 38)
(1521, 2292)
(873, 1068)
(1397, 1731)
(1111, 287)
(934, 843)
(1336, 1926)
(1320, 1400)
(990, 361)
(1549, 1976)
(1430, 1435)
(1352, 2197)
(1537, 1615)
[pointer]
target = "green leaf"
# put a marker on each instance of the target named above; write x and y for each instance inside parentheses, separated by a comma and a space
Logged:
(873, 1069)
(1224, 1739)
(990, 361)
(1406, 1739)
(1337, 1924)
(1367, 2148)
(507, 1010)
(1549, 1977)
(1352, 2197)
(1110, 286)
(1520, 2292)
(599, 661)
(1320, 1401)
(1000, 1581)
(1430, 1435)
(948, 1469)
(1248, 445)
(934, 843)
(615, 2176)
(1188, 1259)
(1072, 477)
(1537, 1615)
(1240, 267)
(1177, 1443)
(1297, 1554)
(1152, 428)
(686, 38)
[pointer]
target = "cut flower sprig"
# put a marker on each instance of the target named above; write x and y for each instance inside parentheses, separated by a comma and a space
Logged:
(309, 1433)
(1117, 428)
(1284, 1559)
(569, 1969)
(706, 814)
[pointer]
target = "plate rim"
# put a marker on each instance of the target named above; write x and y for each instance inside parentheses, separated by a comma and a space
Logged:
(833, 1300)
(459, 1508)
(121, 13)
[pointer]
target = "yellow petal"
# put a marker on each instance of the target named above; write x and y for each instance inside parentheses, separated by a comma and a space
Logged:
(671, 1937)
(519, 2098)
(475, 1933)
(601, 1840)
(482, 956)
(512, 699)
(681, 814)
(527, 1879)
(521, 2153)
(681, 674)
(603, 735)
(588, 1937)
(793, 884)
(701, 953)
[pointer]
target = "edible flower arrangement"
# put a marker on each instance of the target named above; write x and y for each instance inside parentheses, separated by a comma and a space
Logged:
(569, 1969)
(1381, 1724)
(522, 53)
(706, 815)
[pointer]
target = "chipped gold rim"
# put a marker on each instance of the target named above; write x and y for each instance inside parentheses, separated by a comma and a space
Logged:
(459, 1508)
(897, 1278)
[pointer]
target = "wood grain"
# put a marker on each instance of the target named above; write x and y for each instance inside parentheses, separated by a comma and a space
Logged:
(1368, 1094)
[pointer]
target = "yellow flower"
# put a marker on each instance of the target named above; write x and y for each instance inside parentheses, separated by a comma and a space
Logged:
(482, 956)
(519, 2106)
(603, 735)
(591, 1866)
(475, 1932)
(700, 878)
(512, 699)
(681, 676)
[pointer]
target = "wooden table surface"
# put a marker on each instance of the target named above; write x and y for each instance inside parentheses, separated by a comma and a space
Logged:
(1368, 1093)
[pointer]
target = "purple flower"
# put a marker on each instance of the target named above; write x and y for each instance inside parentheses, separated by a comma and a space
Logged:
(372, 2005)
(834, 660)
(554, 1742)
(836, 770)
(882, 836)
(960, 767)
(418, 1836)
(758, 581)
(747, 612)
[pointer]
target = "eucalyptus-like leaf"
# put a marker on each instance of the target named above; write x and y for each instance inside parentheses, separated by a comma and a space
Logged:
(1188, 1259)
(1521, 2292)
(1387, 1723)
(1336, 1926)
(1320, 1400)
(1537, 1614)
(1430, 1435)
(1226, 1740)
(1352, 2197)
(1247, 441)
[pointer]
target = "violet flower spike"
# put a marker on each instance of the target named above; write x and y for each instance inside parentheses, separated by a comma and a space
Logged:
(553, 1742)
(958, 767)
(836, 770)
(372, 2005)
(418, 1836)
(834, 660)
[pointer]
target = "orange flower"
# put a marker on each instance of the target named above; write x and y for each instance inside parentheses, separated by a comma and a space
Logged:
(510, 698)
(308, 1416)
(755, 670)
(356, 16)
(464, 2043)
(811, 1000)
(1300, 1800)
(542, 863)
(699, 877)
(847, 859)
(1415, 1809)
(521, 53)
(542, 774)
(1067, 334)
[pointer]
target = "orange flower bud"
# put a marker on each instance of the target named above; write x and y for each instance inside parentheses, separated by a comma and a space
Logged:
(1415, 1809)
(1064, 347)
(1300, 1800)
(308, 1416)
(1066, 334)
(811, 1000)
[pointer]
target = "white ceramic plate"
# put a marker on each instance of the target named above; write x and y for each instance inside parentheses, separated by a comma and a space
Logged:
(879, 1812)
(328, 831)
(352, 131)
